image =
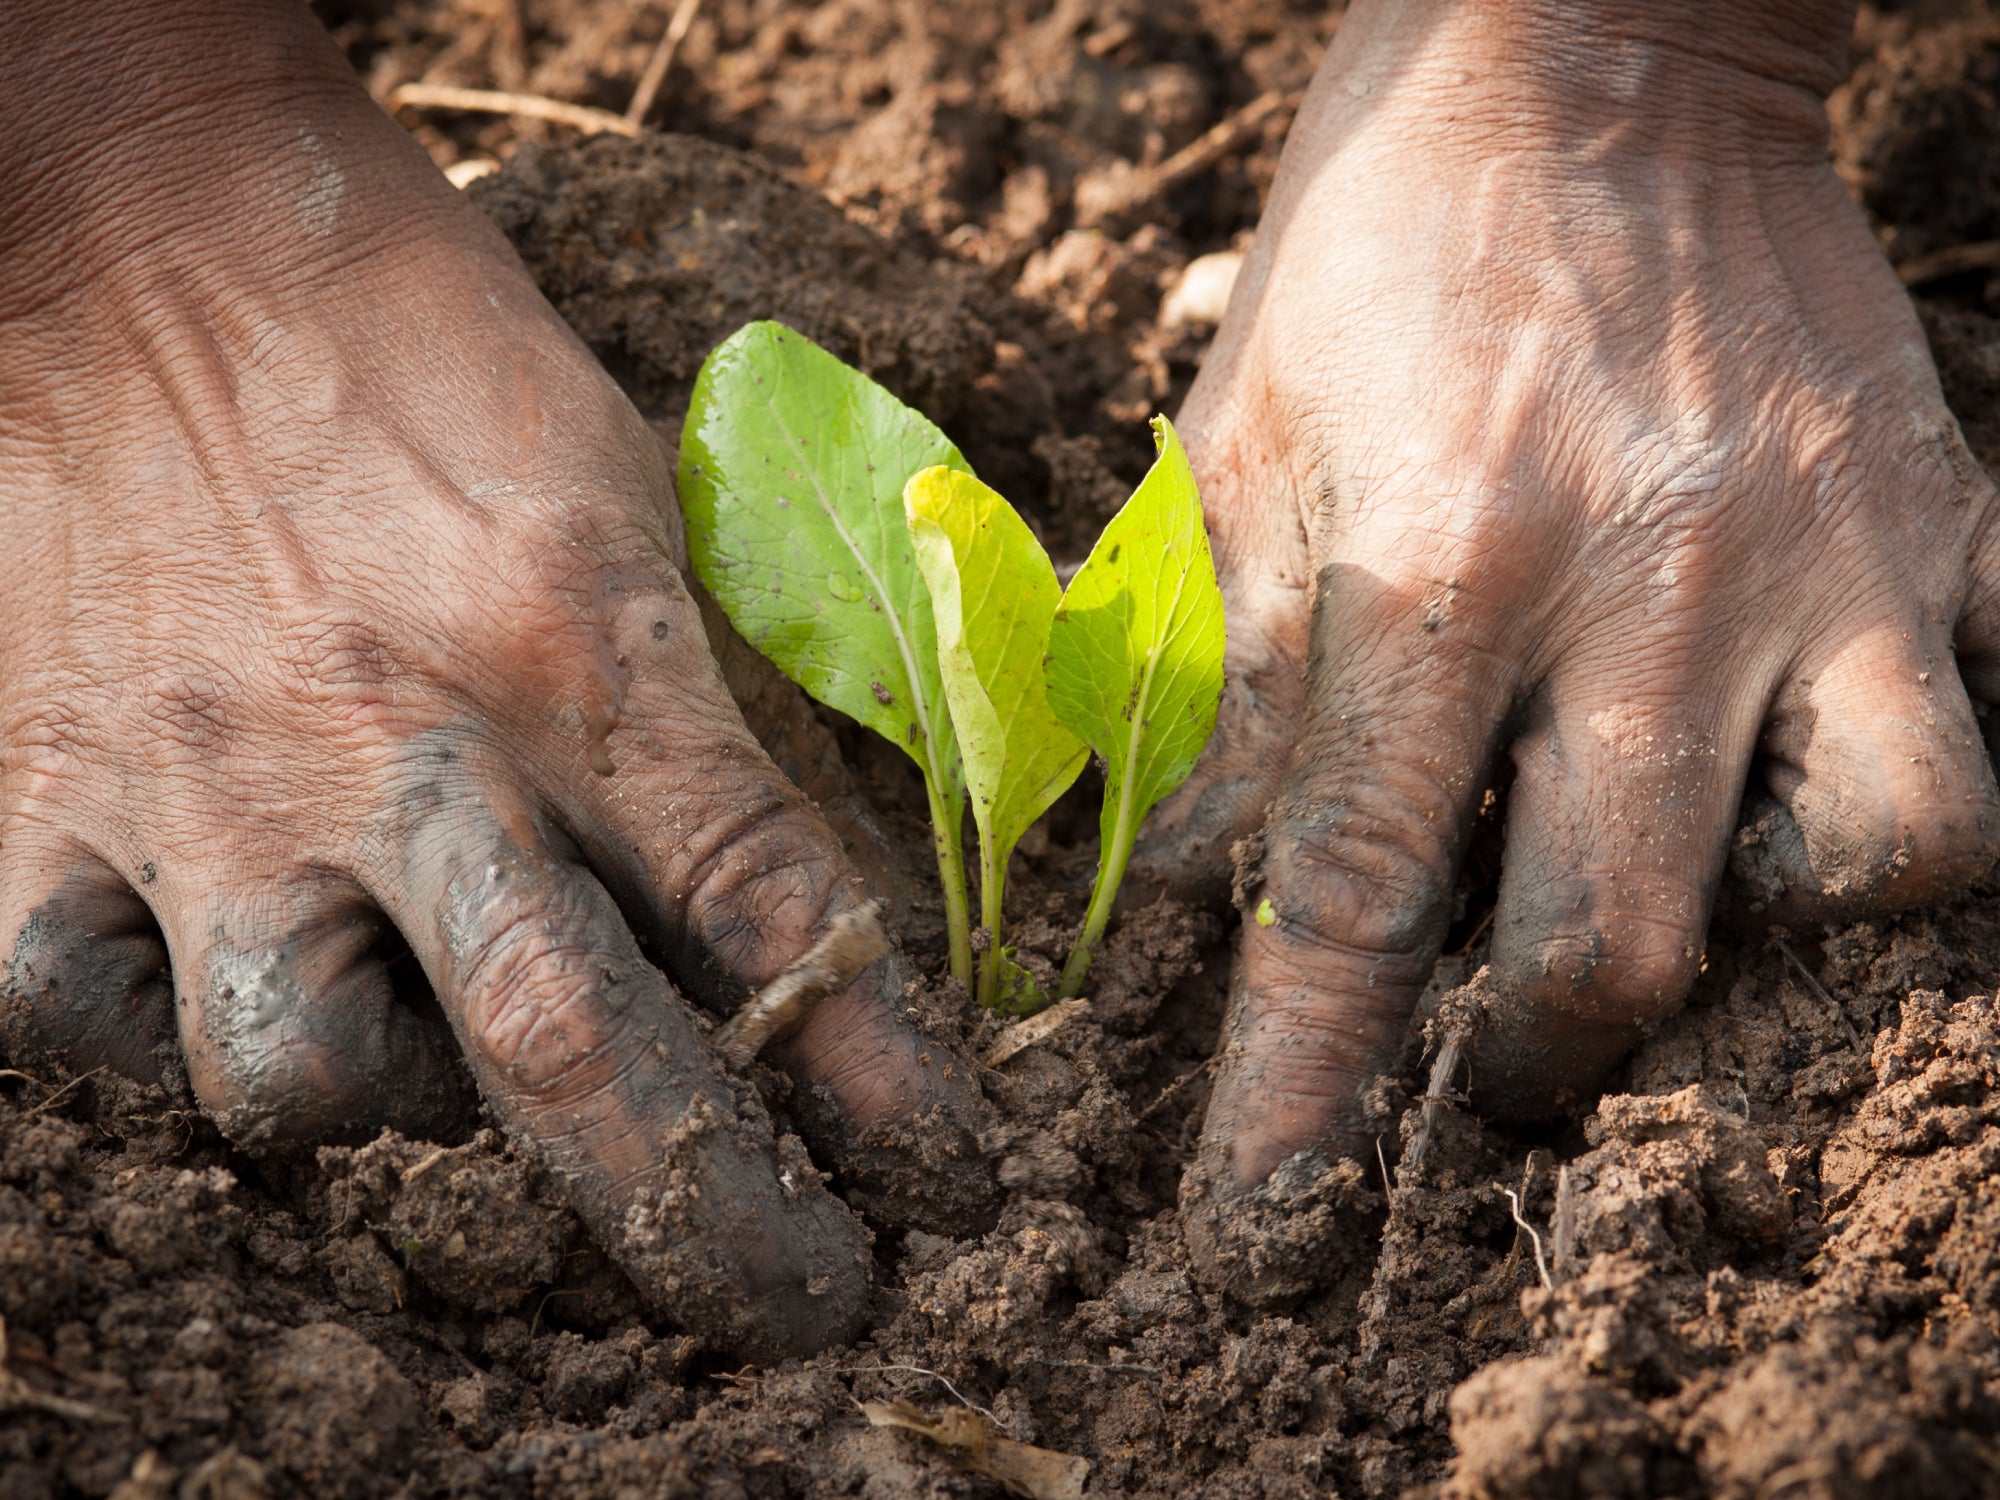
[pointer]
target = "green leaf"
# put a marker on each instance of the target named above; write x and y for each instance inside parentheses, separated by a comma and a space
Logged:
(1015, 992)
(791, 480)
(1135, 662)
(994, 594)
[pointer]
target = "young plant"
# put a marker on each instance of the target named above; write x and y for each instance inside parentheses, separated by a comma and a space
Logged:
(993, 596)
(1134, 664)
(847, 539)
(791, 479)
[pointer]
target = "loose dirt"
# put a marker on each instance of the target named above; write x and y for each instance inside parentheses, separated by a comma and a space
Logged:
(1767, 1263)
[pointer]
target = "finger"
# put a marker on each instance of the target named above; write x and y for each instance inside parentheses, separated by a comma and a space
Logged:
(292, 1028)
(1618, 828)
(734, 874)
(1880, 790)
(1976, 637)
(584, 1049)
(86, 979)
(1346, 911)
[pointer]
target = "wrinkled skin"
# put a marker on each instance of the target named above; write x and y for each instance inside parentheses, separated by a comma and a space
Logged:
(343, 602)
(1567, 411)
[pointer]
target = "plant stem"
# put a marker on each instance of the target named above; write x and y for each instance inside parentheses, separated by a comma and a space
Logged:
(992, 887)
(1110, 875)
(947, 828)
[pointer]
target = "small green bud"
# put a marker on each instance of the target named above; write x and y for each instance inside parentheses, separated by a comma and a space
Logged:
(1266, 912)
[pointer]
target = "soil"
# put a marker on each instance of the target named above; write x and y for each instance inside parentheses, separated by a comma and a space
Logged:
(1767, 1263)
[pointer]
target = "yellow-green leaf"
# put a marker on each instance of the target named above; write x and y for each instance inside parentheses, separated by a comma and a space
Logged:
(1134, 661)
(993, 593)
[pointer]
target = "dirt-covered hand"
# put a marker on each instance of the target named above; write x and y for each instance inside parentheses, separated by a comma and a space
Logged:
(1566, 408)
(341, 604)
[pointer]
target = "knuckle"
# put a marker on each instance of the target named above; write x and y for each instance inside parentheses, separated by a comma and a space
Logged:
(1371, 880)
(339, 662)
(757, 868)
(1928, 826)
(192, 710)
(534, 1003)
(1952, 838)
(1626, 969)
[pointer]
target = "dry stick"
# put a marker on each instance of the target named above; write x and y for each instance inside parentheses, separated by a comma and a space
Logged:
(1541, 1263)
(1144, 184)
(957, 1394)
(1388, 1183)
(17, 1395)
(411, 1174)
(1825, 995)
(1436, 1093)
(472, 39)
(50, 1102)
(1478, 932)
(853, 941)
(661, 60)
(1084, 1364)
(508, 54)
(527, 106)
(1953, 260)
(1208, 148)
(1564, 1250)
(1456, 1022)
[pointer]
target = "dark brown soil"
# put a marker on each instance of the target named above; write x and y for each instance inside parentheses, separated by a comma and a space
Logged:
(1767, 1264)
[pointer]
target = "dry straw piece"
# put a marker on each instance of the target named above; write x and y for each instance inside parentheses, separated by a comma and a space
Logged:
(853, 941)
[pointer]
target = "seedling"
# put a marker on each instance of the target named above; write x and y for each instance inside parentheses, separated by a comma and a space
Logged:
(849, 541)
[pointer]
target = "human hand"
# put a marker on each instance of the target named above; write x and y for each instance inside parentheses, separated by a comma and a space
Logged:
(343, 603)
(1565, 408)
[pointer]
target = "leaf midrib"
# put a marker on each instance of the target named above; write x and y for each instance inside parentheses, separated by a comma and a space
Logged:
(889, 613)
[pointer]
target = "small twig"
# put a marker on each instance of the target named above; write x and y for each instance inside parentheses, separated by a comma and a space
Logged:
(1084, 1364)
(526, 106)
(411, 1174)
(1436, 1093)
(508, 56)
(1825, 995)
(853, 941)
(1208, 148)
(1176, 1086)
(1565, 1225)
(1953, 260)
(1541, 1262)
(1459, 1016)
(957, 1395)
(49, 1103)
(661, 60)
(536, 1321)
(17, 1395)
(1022, 1035)
(1388, 1185)
(1478, 932)
(1121, 187)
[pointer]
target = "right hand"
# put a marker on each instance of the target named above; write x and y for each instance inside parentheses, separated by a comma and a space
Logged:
(1565, 408)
